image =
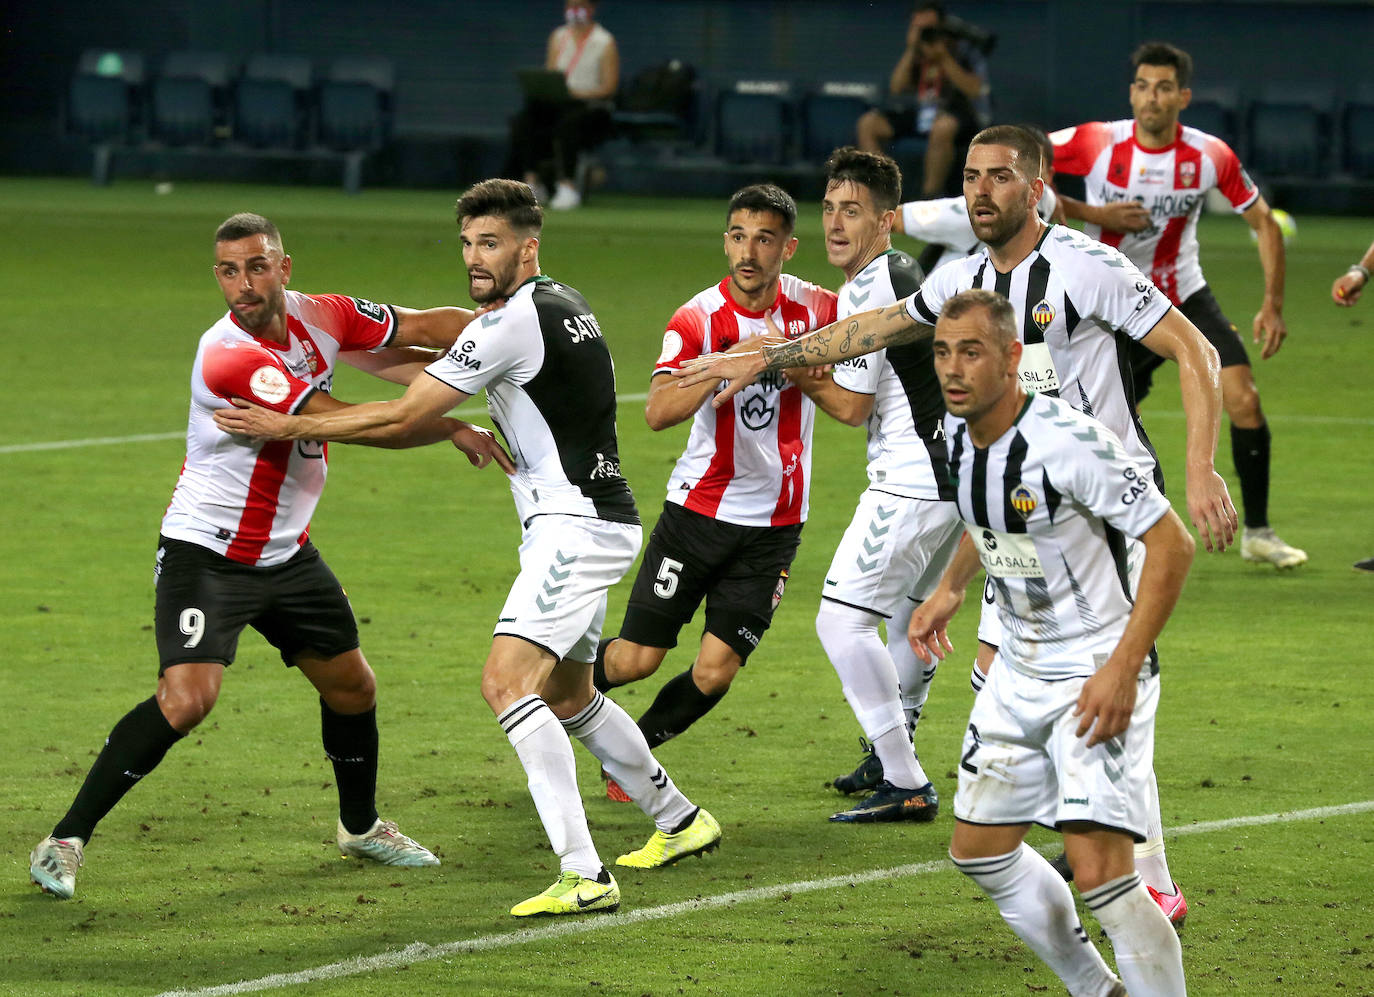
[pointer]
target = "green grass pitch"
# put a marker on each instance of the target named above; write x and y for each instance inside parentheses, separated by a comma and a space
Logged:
(222, 868)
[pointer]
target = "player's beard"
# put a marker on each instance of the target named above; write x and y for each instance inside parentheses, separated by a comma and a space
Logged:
(1004, 226)
(502, 283)
(267, 308)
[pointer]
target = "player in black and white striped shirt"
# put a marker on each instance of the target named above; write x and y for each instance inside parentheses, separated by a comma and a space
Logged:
(1062, 735)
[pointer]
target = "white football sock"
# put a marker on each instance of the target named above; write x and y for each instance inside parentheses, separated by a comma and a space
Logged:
(1148, 954)
(913, 675)
(1150, 861)
(608, 733)
(546, 753)
(1038, 906)
(868, 679)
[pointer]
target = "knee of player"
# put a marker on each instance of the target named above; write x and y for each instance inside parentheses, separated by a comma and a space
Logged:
(627, 661)
(1243, 405)
(186, 706)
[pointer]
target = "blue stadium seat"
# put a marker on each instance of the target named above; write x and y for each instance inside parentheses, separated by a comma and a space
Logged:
(828, 115)
(270, 101)
(1357, 131)
(355, 103)
(1216, 111)
(1288, 131)
(754, 122)
(103, 99)
(189, 98)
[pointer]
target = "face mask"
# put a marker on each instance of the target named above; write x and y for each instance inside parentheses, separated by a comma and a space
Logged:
(577, 15)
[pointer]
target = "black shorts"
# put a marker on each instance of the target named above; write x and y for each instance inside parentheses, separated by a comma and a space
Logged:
(1202, 310)
(204, 600)
(740, 571)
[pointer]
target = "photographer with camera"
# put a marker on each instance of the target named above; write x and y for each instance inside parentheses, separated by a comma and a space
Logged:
(938, 92)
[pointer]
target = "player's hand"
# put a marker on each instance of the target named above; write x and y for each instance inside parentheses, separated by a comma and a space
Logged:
(1124, 216)
(1346, 289)
(1211, 511)
(482, 447)
(1106, 702)
(735, 371)
(1270, 326)
(247, 419)
(928, 631)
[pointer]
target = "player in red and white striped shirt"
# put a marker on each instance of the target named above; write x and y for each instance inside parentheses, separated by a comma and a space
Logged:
(737, 497)
(1146, 179)
(234, 550)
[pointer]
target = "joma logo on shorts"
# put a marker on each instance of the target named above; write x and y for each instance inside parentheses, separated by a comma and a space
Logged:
(748, 635)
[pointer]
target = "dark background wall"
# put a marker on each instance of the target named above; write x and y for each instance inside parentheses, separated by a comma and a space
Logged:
(1057, 62)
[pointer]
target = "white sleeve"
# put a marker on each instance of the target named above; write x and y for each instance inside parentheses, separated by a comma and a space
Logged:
(1104, 479)
(860, 378)
(510, 347)
(942, 220)
(942, 284)
(1109, 288)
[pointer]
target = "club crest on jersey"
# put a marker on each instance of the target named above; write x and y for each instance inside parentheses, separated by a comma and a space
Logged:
(1187, 174)
(1043, 314)
(1023, 500)
(312, 359)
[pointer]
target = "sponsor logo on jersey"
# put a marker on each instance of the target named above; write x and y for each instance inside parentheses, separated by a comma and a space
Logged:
(755, 412)
(1023, 500)
(462, 356)
(369, 309)
(672, 346)
(606, 467)
(1042, 314)
(582, 327)
(269, 384)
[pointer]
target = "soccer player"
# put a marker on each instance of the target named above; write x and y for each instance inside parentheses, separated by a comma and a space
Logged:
(905, 526)
(1063, 732)
(738, 495)
(1345, 291)
(544, 364)
(234, 549)
(1146, 180)
(1073, 297)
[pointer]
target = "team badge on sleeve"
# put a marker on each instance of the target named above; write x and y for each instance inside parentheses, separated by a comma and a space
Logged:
(369, 309)
(269, 384)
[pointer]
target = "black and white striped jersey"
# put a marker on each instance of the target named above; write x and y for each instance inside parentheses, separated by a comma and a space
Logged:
(1078, 305)
(906, 443)
(1049, 505)
(550, 387)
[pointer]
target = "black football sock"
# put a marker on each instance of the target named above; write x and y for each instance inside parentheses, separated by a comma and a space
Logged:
(679, 704)
(599, 680)
(1250, 451)
(135, 746)
(350, 741)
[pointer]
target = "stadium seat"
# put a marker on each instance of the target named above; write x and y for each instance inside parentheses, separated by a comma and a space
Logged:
(658, 102)
(355, 110)
(1357, 131)
(754, 121)
(1288, 130)
(1215, 110)
(103, 103)
(828, 115)
(270, 101)
(189, 97)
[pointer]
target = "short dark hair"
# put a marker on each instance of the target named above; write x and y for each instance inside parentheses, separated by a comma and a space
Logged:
(246, 224)
(1046, 146)
(1027, 147)
(1001, 315)
(880, 174)
(764, 197)
(509, 199)
(1164, 54)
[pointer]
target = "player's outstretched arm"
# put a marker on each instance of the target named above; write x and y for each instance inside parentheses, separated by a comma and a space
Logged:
(1108, 698)
(863, 333)
(432, 328)
(928, 630)
(668, 406)
(411, 420)
(1199, 375)
(397, 364)
(1269, 326)
(1119, 216)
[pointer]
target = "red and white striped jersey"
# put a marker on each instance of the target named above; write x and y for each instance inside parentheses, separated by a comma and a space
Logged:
(749, 462)
(252, 500)
(1171, 182)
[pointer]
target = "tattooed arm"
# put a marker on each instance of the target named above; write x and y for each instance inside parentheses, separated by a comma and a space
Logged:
(850, 337)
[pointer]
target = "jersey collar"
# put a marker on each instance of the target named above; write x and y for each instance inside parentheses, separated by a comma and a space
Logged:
(735, 306)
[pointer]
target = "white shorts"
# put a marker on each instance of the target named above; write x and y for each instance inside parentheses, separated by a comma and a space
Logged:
(567, 564)
(1023, 762)
(990, 627)
(895, 547)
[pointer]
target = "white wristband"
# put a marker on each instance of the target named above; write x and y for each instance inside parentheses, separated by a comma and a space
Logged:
(1360, 269)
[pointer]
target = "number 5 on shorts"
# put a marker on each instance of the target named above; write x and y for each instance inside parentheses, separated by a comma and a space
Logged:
(666, 585)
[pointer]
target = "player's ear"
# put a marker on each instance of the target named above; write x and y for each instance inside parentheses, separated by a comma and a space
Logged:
(1014, 356)
(789, 248)
(1185, 97)
(886, 221)
(286, 269)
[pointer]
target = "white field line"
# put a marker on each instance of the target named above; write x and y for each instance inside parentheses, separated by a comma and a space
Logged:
(422, 952)
(105, 441)
(630, 399)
